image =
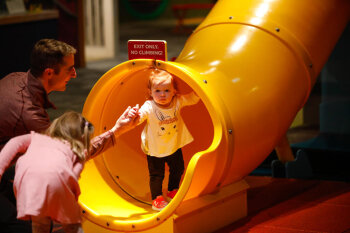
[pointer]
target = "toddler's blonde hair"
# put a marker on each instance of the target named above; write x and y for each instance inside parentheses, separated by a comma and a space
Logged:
(75, 129)
(158, 76)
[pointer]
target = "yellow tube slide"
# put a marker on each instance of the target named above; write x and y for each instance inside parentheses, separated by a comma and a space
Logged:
(253, 64)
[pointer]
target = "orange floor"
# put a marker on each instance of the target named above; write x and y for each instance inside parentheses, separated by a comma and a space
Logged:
(277, 205)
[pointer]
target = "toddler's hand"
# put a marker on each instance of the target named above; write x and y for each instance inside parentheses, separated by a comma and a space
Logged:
(127, 120)
(133, 112)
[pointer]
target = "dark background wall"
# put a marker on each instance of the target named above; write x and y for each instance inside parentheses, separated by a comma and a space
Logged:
(129, 12)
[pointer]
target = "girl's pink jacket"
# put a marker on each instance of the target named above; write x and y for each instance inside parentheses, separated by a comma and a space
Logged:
(46, 178)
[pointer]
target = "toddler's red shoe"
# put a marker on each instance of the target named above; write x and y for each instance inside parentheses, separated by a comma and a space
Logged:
(159, 203)
(171, 194)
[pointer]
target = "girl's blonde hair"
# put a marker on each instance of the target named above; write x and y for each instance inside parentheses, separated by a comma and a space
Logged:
(75, 129)
(158, 76)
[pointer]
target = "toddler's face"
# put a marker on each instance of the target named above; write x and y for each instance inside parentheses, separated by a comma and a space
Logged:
(163, 93)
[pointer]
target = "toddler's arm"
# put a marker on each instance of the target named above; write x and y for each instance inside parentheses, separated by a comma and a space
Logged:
(189, 99)
(17, 145)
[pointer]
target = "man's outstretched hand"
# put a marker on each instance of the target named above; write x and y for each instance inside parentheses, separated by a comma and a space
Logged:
(127, 121)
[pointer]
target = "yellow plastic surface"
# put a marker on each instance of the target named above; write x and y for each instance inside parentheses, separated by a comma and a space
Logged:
(253, 64)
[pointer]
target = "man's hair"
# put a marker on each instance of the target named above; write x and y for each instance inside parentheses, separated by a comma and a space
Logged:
(75, 129)
(48, 53)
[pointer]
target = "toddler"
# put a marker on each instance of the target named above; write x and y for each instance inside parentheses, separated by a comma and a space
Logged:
(46, 178)
(164, 134)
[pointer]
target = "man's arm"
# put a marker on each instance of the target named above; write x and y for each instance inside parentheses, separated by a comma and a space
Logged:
(36, 119)
(106, 140)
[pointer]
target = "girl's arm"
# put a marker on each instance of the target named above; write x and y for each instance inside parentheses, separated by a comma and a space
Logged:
(17, 145)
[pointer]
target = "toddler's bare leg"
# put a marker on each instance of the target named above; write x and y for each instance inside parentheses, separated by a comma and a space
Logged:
(73, 228)
(41, 224)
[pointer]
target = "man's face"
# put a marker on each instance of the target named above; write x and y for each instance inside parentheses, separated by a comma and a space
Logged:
(59, 81)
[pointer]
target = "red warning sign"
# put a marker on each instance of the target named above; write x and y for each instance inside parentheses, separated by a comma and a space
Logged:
(147, 49)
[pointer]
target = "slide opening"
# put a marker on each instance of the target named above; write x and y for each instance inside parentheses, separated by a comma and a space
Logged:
(123, 168)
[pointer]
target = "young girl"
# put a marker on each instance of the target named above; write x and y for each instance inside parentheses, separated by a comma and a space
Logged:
(164, 134)
(46, 179)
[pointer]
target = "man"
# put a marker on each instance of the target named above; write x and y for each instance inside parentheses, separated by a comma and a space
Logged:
(23, 100)
(23, 96)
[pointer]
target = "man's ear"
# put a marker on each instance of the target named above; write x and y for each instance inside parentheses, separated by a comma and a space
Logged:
(48, 73)
(150, 92)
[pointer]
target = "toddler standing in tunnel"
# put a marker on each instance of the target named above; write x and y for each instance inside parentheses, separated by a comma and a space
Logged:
(164, 134)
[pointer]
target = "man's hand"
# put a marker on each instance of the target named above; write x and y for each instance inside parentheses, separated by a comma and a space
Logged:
(128, 120)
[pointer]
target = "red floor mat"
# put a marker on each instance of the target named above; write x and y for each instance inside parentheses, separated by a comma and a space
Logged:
(288, 206)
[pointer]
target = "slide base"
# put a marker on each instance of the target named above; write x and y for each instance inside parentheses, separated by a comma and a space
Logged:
(203, 214)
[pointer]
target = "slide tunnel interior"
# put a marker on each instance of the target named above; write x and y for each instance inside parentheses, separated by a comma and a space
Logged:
(127, 157)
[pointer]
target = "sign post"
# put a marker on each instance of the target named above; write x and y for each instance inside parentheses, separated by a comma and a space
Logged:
(147, 49)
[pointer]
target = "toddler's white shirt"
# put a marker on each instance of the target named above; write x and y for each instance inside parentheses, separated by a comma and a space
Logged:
(165, 132)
